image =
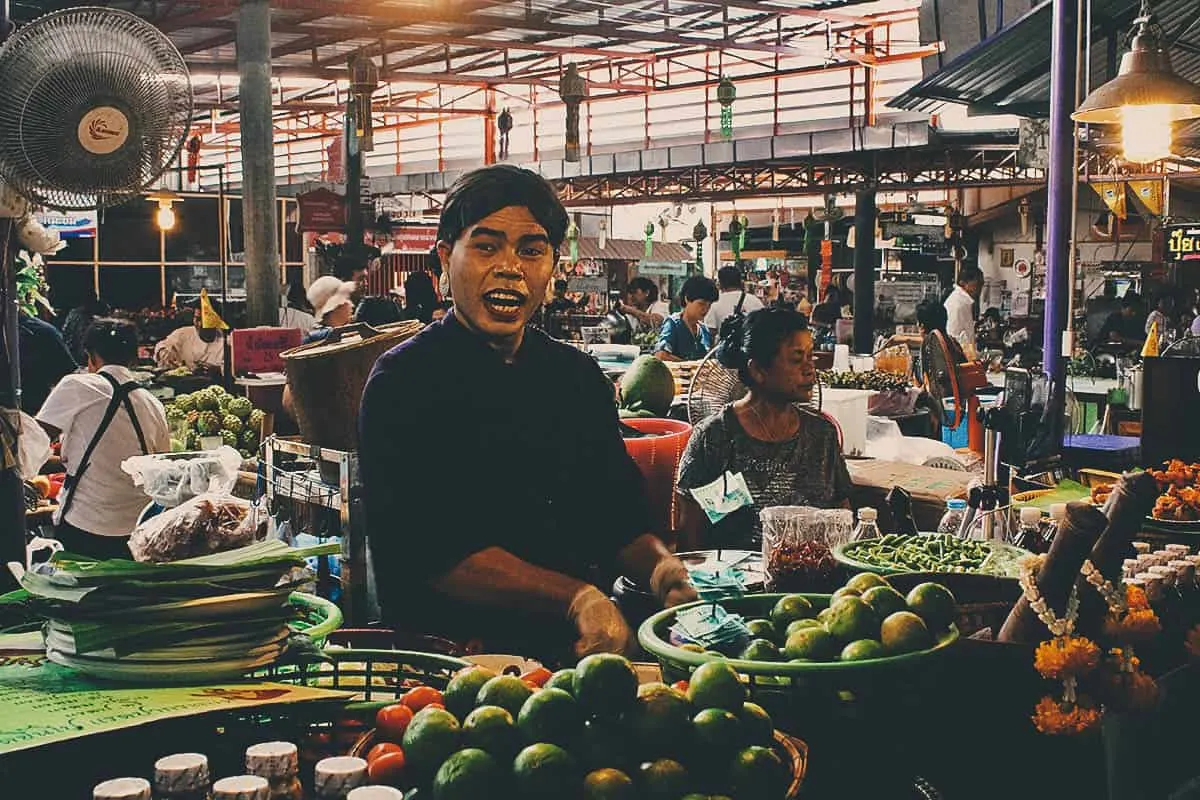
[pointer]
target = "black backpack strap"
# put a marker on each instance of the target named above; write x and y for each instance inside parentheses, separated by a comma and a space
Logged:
(120, 397)
(738, 308)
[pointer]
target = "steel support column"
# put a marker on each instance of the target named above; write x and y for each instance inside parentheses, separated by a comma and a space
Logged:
(1064, 62)
(259, 208)
(864, 271)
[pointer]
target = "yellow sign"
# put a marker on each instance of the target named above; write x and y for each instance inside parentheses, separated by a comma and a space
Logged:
(1113, 195)
(1183, 242)
(1150, 193)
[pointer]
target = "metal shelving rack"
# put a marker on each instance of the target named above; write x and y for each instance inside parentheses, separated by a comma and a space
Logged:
(312, 477)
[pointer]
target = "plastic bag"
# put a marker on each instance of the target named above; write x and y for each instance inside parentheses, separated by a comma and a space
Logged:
(209, 523)
(894, 403)
(797, 545)
(33, 446)
(171, 479)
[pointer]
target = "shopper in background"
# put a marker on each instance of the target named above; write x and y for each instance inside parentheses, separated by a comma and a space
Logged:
(1123, 327)
(297, 313)
(733, 293)
(76, 324)
(513, 548)
(420, 298)
(352, 267)
(787, 455)
(44, 360)
(1163, 314)
(377, 311)
(102, 418)
(683, 336)
(960, 309)
(193, 346)
(332, 300)
(643, 306)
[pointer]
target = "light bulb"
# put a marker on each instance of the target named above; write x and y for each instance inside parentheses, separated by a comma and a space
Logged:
(1145, 133)
(166, 217)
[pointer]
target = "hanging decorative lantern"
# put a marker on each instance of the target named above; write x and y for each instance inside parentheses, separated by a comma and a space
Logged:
(742, 234)
(699, 234)
(725, 96)
(792, 218)
(505, 124)
(573, 241)
(1023, 214)
(603, 238)
(736, 232)
(364, 80)
(649, 231)
(193, 159)
(573, 91)
(775, 225)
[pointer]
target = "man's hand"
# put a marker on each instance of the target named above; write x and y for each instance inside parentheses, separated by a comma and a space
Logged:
(601, 626)
(671, 584)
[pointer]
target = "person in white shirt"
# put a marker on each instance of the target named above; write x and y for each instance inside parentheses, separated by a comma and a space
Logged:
(960, 309)
(199, 349)
(102, 418)
(733, 291)
(297, 312)
(642, 307)
(1164, 309)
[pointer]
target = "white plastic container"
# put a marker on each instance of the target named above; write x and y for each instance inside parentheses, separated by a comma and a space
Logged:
(849, 408)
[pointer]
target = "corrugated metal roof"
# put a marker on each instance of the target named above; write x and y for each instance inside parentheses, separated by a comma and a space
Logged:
(632, 250)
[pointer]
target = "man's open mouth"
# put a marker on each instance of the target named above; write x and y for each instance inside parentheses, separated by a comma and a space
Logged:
(504, 301)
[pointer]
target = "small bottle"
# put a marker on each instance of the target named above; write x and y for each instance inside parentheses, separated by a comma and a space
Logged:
(956, 510)
(1058, 512)
(242, 787)
(335, 777)
(183, 776)
(1179, 550)
(122, 789)
(279, 763)
(866, 527)
(1152, 584)
(1029, 534)
(1141, 547)
(1129, 567)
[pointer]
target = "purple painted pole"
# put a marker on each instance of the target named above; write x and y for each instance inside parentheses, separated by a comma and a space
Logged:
(1064, 62)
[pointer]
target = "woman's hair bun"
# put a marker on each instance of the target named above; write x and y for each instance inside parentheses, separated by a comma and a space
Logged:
(731, 351)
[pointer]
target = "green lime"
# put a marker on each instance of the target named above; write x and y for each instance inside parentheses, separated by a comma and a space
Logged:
(801, 624)
(718, 734)
(863, 650)
(864, 581)
(760, 650)
(884, 600)
(905, 632)
(563, 679)
(761, 629)
(716, 685)
(460, 694)
(663, 779)
(553, 716)
(661, 721)
(757, 726)
(789, 608)
(757, 773)
(491, 728)
(545, 772)
(933, 603)
(507, 691)
(605, 684)
(811, 644)
(608, 784)
(431, 737)
(852, 619)
(469, 774)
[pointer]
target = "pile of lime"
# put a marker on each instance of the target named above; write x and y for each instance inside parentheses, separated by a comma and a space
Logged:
(588, 733)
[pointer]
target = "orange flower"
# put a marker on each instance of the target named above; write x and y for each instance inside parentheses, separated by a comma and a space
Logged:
(1136, 626)
(1064, 657)
(1135, 598)
(1141, 691)
(1051, 718)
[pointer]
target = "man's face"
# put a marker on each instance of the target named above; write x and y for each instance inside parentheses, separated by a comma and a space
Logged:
(639, 298)
(499, 269)
(791, 375)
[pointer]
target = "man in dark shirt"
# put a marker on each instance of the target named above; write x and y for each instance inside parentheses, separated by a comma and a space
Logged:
(495, 476)
(1124, 329)
(44, 361)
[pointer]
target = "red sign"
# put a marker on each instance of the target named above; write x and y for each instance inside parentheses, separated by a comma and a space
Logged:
(414, 238)
(257, 349)
(321, 210)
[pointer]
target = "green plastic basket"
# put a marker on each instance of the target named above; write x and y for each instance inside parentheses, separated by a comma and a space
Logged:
(318, 617)
(372, 675)
(1008, 568)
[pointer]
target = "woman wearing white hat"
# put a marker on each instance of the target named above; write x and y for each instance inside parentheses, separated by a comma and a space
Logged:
(331, 300)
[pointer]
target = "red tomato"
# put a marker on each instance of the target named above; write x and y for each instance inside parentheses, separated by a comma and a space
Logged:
(387, 769)
(383, 748)
(418, 698)
(681, 686)
(436, 705)
(537, 677)
(392, 721)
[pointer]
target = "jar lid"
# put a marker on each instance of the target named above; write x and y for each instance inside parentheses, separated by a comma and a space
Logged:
(375, 793)
(1141, 547)
(867, 514)
(272, 760)
(182, 772)
(957, 504)
(242, 787)
(122, 789)
(1031, 515)
(1058, 511)
(336, 776)
(1182, 549)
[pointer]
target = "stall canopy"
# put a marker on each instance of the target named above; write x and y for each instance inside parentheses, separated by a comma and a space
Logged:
(1009, 72)
(630, 250)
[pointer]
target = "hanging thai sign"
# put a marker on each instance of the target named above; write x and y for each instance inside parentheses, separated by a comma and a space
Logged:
(321, 210)
(677, 269)
(1183, 242)
(69, 225)
(414, 238)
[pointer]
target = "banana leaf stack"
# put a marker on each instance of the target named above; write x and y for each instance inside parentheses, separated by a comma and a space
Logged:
(190, 621)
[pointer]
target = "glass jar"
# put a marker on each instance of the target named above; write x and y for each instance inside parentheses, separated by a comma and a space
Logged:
(1029, 533)
(956, 509)
(183, 776)
(279, 763)
(866, 527)
(122, 789)
(335, 777)
(242, 787)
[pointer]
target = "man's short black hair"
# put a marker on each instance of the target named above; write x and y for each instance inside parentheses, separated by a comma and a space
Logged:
(932, 316)
(698, 287)
(485, 191)
(1131, 299)
(970, 275)
(646, 285)
(349, 263)
(730, 278)
(113, 341)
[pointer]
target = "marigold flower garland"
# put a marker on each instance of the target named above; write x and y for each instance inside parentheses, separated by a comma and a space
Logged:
(1130, 620)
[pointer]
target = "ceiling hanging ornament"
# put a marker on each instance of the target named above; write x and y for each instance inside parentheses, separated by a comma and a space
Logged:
(726, 93)
(603, 238)
(573, 241)
(193, 159)
(775, 214)
(364, 80)
(745, 220)
(572, 88)
(736, 236)
(649, 231)
(505, 125)
(699, 234)
(1023, 215)
(792, 218)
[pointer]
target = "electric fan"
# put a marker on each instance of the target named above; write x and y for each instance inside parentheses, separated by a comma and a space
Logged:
(941, 380)
(714, 386)
(95, 103)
